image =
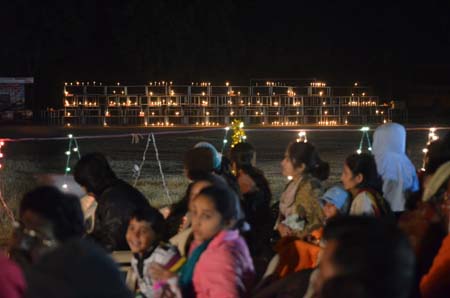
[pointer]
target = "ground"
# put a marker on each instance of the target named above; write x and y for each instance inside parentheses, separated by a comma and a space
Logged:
(25, 161)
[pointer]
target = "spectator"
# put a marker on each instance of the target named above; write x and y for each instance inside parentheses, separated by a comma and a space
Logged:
(361, 179)
(300, 211)
(181, 222)
(116, 199)
(145, 231)
(76, 269)
(48, 217)
(219, 263)
(256, 199)
(398, 173)
(375, 251)
(221, 165)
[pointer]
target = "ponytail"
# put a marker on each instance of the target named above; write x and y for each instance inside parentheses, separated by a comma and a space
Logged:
(321, 170)
(306, 153)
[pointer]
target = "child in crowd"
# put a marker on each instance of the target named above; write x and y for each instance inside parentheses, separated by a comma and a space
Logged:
(184, 233)
(300, 210)
(219, 263)
(335, 202)
(198, 165)
(361, 179)
(145, 231)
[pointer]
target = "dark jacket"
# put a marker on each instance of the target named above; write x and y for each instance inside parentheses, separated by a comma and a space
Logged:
(115, 206)
(76, 269)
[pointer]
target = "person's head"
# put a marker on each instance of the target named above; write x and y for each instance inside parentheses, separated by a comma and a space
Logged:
(213, 210)
(242, 155)
(389, 137)
(374, 250)
(198, 162)
(47, 217)
(360, 171)
(145, 229)
(77, 269)
(335, 201)
(302, 158)
(216, 156)
(94, 173)
(197, 187)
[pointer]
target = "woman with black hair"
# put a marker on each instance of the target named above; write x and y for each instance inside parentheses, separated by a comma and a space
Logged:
(361, 179)
(300, 210)
(116, 199)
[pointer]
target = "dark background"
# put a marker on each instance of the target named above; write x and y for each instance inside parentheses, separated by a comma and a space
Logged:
(401, 49)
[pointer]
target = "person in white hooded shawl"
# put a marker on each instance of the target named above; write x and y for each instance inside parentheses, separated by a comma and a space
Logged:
(398, 173)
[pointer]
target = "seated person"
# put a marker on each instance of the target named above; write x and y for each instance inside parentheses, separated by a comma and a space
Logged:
(294, 254)
(47, 218)
(145, 231)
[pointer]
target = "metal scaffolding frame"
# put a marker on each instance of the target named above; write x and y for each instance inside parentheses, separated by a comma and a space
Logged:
(165, 104)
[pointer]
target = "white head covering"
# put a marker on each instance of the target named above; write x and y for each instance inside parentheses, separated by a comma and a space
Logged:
(389, 142)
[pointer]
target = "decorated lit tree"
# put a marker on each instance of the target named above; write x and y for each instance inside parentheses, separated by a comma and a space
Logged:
(238, 132)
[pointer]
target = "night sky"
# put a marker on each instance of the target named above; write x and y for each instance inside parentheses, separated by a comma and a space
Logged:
(391, 46)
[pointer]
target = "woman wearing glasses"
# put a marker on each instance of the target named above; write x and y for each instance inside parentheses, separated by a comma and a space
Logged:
(47, 218)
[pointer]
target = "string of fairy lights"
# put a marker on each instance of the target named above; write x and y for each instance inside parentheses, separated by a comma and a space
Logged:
(238, 136)
(365, 136)
(73, 147)
(8, 211)
(225, 140)
(432, 136)
(1, 153)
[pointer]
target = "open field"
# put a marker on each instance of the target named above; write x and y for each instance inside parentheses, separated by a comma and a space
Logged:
(26, 160)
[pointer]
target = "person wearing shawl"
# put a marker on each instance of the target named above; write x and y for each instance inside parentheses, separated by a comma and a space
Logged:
(299, 209)
(398, 173)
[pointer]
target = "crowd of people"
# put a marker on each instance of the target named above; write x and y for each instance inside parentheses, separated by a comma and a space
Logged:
(382, 232)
